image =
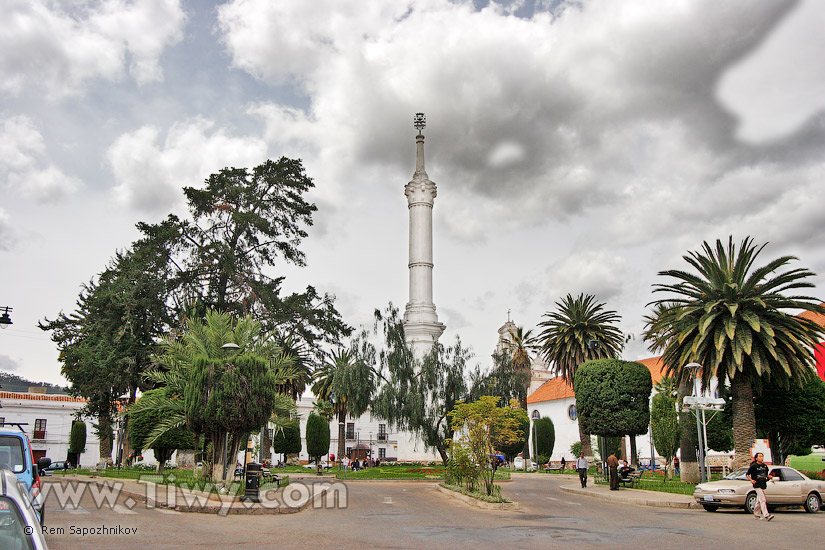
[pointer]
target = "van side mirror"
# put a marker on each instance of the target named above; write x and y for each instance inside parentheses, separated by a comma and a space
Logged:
(44, 463)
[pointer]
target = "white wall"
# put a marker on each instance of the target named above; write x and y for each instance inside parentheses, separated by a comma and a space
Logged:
(59, 415)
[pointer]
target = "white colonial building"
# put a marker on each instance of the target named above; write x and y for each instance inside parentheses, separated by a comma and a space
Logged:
(47, 420)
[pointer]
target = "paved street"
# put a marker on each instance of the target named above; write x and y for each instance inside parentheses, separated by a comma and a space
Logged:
(414, 515)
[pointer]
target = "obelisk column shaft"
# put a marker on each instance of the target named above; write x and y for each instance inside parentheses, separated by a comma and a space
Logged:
(421, 323)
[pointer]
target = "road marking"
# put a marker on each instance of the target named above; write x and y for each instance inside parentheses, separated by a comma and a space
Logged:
(77, 510)
(122, 509)
(566, 501)
(388, 500)
(167, 511)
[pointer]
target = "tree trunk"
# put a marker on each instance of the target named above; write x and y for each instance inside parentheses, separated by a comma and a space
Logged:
(104, 430)
(266, 444)
(587, 449)
(634, 458)
(744, 419)
(342, 442)
(688, 463)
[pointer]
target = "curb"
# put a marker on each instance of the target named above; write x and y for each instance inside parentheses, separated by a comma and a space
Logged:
(476, 502)
(214, 504)
(639, 501)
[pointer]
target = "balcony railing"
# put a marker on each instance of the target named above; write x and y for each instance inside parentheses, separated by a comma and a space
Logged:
(39, 434)
(382, 437)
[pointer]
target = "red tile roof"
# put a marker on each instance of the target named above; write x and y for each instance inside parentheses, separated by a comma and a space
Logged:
(40, 397)
(555, 388)
(817, 318)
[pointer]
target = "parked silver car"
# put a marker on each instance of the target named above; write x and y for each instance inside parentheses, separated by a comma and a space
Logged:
(19, 526)
(788, 487)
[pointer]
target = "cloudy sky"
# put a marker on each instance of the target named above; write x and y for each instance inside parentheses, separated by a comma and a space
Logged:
(578, 146)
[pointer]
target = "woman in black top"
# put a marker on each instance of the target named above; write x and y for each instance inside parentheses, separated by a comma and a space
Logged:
(758, 474)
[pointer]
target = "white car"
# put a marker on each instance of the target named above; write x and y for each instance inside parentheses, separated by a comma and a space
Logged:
(788, 487)
(19, 525)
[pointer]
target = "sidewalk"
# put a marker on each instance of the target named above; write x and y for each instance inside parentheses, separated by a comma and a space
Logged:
(300, 495)
(634, 496)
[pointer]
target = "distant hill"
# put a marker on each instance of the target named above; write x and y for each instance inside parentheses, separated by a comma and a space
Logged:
(11, 382)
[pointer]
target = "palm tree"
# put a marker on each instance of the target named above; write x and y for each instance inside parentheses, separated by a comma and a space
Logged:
(205, 338)
(348, 382)
(729, 318)
(520, 344)
(579, 330)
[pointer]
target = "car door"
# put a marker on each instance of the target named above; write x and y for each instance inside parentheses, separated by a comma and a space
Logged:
(795, 485)
(780, 491)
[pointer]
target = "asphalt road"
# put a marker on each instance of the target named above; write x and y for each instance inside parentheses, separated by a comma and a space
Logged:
(414, 515)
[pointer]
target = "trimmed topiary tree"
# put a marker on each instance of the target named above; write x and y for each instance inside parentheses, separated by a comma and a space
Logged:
(544, 434)
(613, 399)
(77, 442)
(231, 396)
(318, 438)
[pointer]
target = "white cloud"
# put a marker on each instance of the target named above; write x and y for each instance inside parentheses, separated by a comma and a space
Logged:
(8, 239)
(598, 272)
(57, 49)
(549, 117)
(24, 164)
(150, 173)
(781, 84)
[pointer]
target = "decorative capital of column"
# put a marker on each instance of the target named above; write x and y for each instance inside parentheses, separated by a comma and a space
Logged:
(420, 191)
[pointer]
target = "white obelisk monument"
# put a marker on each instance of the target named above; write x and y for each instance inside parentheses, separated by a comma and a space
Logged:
(421, 326)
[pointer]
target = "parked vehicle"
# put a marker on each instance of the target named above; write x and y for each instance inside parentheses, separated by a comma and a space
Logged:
(19, 524)
(54, 466)
(16, 457)
(789, 487)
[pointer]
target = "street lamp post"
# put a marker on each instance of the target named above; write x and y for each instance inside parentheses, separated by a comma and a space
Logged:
(693, 368)
(5, 320)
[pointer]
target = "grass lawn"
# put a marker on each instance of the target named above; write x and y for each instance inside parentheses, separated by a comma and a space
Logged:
(650, 482)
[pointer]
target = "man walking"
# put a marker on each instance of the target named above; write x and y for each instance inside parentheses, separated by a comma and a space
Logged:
(581, 466)
(759, 476)
(613, 465)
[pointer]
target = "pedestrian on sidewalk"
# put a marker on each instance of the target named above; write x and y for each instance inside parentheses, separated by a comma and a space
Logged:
(759, 476)
(613, 466)
(581, 466)
(563, 462)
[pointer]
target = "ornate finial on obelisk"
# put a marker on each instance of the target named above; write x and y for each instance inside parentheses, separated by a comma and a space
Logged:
(419, 122)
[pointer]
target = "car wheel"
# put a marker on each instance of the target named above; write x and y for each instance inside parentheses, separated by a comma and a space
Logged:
(710, 507)
(813, 503)
(750, 503)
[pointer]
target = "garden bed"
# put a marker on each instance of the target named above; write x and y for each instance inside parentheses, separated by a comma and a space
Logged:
(477, 499)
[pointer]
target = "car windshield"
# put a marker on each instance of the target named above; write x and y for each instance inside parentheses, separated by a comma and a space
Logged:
(12, 527)
(739, 473)
(11, 454)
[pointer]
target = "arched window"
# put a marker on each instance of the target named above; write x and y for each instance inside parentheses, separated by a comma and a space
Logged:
(572, 413)
(536, 415)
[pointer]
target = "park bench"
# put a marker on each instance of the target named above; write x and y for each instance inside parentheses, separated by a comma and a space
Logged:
(267, 475)
(632, 479)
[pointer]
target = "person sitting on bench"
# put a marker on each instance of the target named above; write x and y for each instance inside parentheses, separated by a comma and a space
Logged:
(625, 470)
